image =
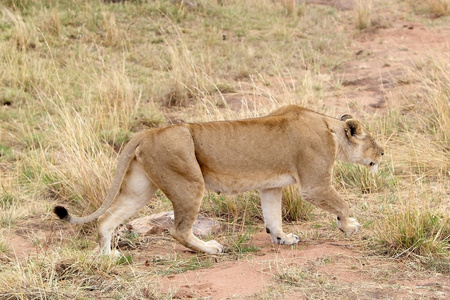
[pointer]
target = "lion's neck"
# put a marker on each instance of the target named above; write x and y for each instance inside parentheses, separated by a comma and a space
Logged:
(342, 146)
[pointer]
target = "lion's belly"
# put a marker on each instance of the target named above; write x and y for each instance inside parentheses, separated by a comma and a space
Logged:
(233, 185)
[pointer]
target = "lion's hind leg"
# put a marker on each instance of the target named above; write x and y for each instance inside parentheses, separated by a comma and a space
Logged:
(169, 160)
(186, 207)
(135, 192)
(271, 207)
(186, 195)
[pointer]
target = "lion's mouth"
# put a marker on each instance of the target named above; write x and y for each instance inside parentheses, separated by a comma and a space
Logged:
(373, 167)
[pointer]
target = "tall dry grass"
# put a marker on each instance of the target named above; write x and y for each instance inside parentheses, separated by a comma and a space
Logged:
(415, 216)
(437, 8)
(24, 35)
(363, 14)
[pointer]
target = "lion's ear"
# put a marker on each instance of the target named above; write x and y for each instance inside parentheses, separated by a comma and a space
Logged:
(345, 117)
(354, 129)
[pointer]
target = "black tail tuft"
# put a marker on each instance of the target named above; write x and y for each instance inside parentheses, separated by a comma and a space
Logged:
(61, 212)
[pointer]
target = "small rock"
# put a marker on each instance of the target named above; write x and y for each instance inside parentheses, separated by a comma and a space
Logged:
(380, 104)
(158, 223)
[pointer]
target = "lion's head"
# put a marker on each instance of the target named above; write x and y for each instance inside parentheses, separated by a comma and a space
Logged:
(361, 147)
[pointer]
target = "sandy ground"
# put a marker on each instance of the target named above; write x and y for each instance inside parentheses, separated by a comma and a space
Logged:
(325, 269)
(317, 269)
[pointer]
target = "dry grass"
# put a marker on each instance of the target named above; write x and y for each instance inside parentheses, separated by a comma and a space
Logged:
(437, 8)
(78, 78)
(363, 14)
(71, 275)
(24, 35)
(417, 222)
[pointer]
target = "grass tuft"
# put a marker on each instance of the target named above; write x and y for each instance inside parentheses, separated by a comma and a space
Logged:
(23, 34)
(53, 23)
(294, 207)
(417, 231)
(363, 14)
(437, 8)
(112, 35)
(7, 199)
(177, 265)
(349, 176)
(240, 243)
(243, 209)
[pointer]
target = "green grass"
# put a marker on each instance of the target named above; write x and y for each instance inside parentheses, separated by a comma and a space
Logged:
(178, 265)
(240, 243)
(4, 249)
(244, 209)
(294, 208)
(417, 232)
(7, 200)
(359, 178)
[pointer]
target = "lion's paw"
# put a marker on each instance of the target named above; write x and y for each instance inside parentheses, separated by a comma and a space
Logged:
(286, 239)
(213, 247)
(351, 227)
(292, 239)
(116, 254)
(107, 252)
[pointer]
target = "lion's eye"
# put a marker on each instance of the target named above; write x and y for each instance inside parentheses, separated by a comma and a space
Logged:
(382, 153)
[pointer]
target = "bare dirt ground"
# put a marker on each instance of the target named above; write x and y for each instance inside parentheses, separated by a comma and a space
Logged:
(375, 79)
(325, 269)
(372, 81)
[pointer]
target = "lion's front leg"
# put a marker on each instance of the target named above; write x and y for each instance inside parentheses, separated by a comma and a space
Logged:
(328, 199)
(271, 208)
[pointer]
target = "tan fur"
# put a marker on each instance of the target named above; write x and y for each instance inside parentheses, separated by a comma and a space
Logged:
(291, 145)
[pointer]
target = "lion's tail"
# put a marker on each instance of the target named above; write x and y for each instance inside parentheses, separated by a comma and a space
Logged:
(125, 159)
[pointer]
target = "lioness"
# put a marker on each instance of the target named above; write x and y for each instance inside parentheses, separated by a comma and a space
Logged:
(291, 145)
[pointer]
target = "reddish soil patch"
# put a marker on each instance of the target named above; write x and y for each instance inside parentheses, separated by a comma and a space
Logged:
(248, 276)
(20, 247)
(230, 279)
(324, 269)
(377, 76)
